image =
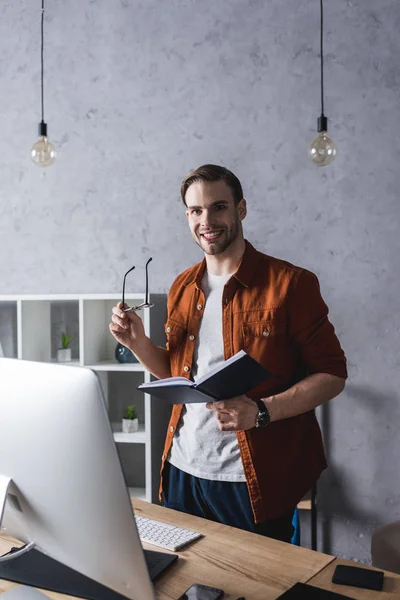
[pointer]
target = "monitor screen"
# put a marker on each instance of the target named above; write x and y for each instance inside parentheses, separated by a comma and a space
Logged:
(62, 478)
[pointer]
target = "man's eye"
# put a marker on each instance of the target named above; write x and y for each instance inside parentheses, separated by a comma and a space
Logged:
(196, 212)
(220, 207)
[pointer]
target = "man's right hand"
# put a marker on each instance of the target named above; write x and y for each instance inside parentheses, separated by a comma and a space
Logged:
(127, 327)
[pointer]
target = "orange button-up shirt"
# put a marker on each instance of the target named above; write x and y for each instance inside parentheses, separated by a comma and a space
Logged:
(274, 311)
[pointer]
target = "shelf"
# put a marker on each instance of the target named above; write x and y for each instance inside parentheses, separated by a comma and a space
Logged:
(109, 365)
(138, 437)
(70, 363)
(31, 327)
(67, 297)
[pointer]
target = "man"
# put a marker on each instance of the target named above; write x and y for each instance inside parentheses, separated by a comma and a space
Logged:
(249, 460)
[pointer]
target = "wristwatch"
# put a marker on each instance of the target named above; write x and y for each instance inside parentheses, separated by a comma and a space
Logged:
(263, 417)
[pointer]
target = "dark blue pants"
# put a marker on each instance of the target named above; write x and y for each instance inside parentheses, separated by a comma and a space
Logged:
(220, 501)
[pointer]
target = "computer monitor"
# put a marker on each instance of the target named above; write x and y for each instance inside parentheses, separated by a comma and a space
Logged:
(65, 492)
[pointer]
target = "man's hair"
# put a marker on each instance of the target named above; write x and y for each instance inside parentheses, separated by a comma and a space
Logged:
(213, 173)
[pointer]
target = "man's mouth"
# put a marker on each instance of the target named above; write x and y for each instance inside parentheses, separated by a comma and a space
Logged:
(211, 236)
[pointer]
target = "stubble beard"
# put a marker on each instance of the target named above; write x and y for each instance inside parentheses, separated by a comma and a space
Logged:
(222, 244)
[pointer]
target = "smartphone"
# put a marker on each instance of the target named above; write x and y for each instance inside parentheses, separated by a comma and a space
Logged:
(201, 592)
(358, 577)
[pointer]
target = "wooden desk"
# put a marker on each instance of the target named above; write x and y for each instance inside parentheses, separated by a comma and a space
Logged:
(241, 563)
(391, 586)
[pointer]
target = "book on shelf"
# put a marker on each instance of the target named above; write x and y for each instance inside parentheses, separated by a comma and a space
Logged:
(235, 376)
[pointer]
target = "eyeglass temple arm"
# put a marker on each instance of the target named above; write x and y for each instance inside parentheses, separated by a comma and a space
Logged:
(147, 282)
(123, 285)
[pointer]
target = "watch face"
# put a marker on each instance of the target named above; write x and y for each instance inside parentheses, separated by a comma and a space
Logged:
(263, 419)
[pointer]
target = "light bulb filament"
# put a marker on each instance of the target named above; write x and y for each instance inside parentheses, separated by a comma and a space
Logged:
(322, 150)
(43, 152)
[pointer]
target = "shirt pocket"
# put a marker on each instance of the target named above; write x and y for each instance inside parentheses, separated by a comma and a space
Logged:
(266, 341)
(263, 329)
(176, 333)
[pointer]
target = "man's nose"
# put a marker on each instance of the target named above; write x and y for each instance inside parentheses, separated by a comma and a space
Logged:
(205, 218)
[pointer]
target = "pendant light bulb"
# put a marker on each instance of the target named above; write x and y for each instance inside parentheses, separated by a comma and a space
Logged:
(322, 150)
(43, 152)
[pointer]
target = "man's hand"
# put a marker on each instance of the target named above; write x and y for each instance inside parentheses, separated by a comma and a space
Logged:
(235, 414)
(127, 327)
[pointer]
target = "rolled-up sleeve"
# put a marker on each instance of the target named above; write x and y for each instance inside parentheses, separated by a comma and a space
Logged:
(311, 329)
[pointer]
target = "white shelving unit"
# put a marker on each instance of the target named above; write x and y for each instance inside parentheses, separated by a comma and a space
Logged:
(30, 329)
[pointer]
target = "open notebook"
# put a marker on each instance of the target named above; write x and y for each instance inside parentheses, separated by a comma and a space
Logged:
(234, 377)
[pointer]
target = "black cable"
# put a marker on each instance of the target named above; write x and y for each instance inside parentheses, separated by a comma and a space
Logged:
(322, 57)
(42, 63)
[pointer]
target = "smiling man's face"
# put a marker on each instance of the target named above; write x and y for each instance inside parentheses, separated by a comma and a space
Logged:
(213, 217)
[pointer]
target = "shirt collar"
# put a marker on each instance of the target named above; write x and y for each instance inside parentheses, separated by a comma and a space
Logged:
(244, 273)
(248, 265)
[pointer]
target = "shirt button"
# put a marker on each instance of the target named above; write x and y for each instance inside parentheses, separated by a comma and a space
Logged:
(172, 429)
(265, 332)
(199, 306)
(186, 368)
(168, 329)
(191, 337)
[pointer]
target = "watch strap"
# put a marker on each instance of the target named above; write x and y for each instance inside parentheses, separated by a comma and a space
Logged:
(263, 417)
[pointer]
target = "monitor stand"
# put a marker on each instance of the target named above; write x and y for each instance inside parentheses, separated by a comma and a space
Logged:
(36, 569)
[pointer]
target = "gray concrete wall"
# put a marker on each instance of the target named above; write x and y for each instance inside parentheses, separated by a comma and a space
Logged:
(140, 92)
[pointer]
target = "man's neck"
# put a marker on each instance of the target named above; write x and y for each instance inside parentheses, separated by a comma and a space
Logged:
(227, 262)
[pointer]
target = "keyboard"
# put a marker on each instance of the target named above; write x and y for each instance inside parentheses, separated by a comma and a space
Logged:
(163, 535)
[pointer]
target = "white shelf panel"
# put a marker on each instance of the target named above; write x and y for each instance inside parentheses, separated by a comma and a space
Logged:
(63, 297)
(136, 492)
(70, 363)
(138, 437)
(109, 365)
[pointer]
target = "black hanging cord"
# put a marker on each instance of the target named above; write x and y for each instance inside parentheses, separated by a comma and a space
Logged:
(322, 57)
(42, 125)
(42, 62)
(322, 121)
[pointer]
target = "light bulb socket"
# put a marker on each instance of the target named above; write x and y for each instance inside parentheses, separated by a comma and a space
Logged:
(42, 129)
(322, 123)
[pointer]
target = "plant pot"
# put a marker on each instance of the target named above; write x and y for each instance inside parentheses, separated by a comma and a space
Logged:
(64, 354)
(130, 425)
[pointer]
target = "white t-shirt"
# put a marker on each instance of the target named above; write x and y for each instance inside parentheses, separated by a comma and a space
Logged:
(199, 447)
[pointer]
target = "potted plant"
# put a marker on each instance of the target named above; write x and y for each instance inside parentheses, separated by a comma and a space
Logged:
(64, 353)
(130, 422)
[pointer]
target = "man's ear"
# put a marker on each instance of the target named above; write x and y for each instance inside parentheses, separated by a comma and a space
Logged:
(187, 213)
(242, 209)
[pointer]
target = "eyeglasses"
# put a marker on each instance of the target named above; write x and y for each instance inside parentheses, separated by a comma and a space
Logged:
(146, 303)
